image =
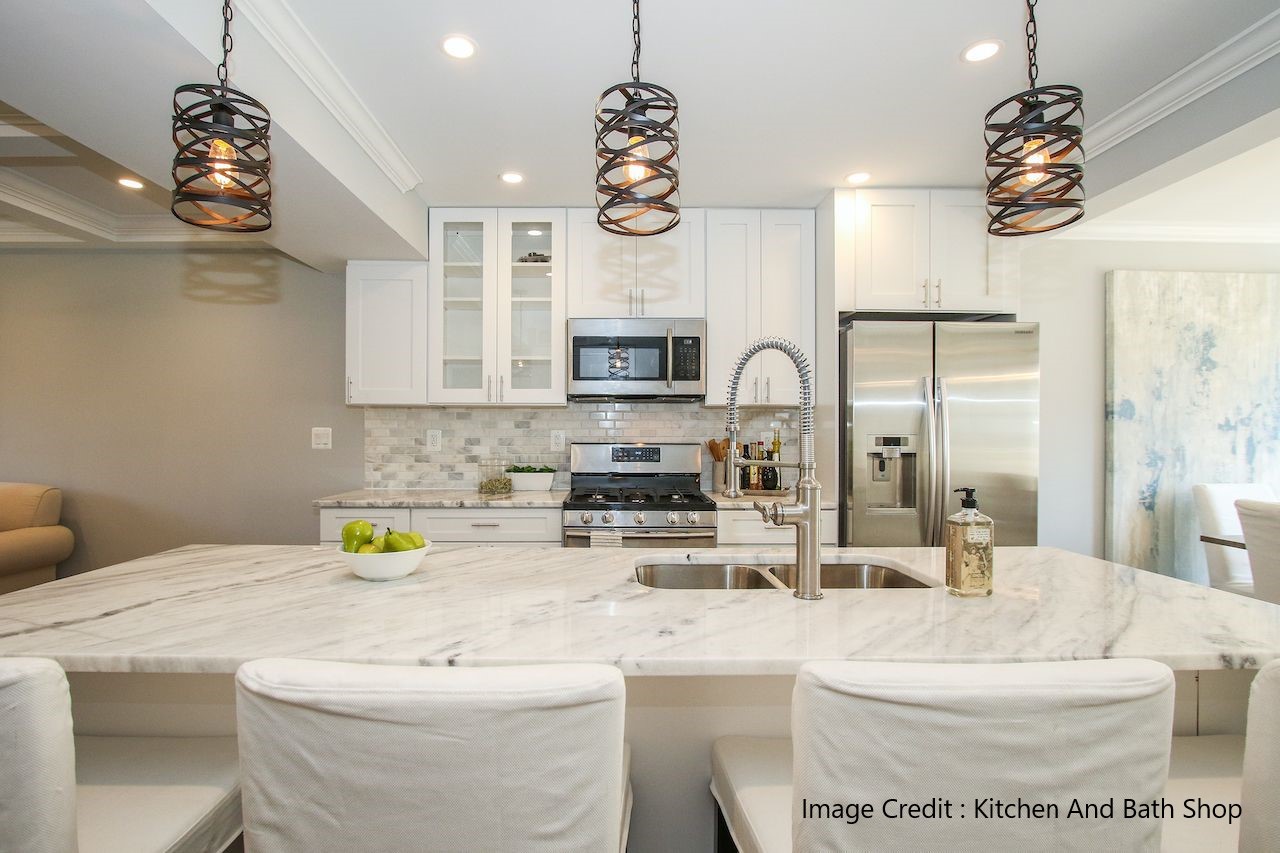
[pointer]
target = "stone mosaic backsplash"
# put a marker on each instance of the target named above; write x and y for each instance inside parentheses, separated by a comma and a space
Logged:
(395, 440)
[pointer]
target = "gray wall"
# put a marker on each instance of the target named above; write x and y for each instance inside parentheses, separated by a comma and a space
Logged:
(171, 395)
(1063, 289)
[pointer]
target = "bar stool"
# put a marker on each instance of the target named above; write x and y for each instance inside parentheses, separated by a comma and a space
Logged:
(1225, 769)
(1216, 510)
(879, 736)
(1260, 521)
(342, 757)
(104, 794)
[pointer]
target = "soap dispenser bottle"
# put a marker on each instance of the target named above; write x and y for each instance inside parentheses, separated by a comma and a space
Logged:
(970, 540)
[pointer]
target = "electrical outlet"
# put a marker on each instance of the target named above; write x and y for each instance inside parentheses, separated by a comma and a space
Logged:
(322, 438)
(557, 439)
(434, 440)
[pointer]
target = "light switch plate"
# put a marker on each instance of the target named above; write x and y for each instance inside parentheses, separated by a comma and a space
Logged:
(322, 438)
(434, 440)
(557, 439)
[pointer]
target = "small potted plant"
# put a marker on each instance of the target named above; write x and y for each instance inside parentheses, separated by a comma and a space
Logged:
(531, 478)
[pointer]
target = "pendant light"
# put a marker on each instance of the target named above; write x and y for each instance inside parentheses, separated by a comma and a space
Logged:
(637, 153)
(1035, 154)
(221, 173)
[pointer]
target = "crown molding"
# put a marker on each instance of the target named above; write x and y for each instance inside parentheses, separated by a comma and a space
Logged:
(21, 232)
(54, 205)
(280, 27)
(1172, 232)
(1247, 49)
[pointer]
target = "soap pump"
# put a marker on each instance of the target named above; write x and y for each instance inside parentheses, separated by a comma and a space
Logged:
(970, 542)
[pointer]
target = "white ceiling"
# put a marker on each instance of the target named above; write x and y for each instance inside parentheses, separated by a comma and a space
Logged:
(779, 100)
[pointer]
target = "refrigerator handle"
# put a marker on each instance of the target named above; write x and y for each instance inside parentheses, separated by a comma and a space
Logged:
(944, 459)
(928, 513)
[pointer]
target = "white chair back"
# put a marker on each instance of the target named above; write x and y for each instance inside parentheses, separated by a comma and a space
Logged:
(1260, 796)
(1035, 733)
(38, 758)
(341, 757)
(1216, 509)
(1261, 523)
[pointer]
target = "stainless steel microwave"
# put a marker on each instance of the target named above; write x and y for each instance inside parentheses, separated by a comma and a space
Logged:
(637, 357)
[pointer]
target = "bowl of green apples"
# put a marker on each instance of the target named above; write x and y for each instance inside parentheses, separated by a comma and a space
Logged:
(385, 557)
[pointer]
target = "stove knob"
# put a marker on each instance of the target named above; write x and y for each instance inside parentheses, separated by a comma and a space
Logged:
(639, 518)
(587, 518)
(607, 518)
(673, 518)
(692, 517)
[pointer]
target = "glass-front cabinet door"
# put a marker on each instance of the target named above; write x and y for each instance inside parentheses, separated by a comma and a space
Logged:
(464, 297)
(531, 306)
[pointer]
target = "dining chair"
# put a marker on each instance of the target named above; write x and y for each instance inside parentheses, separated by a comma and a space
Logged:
(1216, 509)
(60, 793)
(382, 759)
(1230, 769)
(1261, 523)
(867, 733)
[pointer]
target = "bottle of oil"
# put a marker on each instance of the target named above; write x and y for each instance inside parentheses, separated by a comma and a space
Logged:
(970, 543)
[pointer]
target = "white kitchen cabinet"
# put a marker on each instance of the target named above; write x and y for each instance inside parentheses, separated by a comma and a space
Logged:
(611, 276)
(745, 527)
(387, 315)
(382, 519)
(925, 250)
(489, 525)
(497, 322)
(760, 281)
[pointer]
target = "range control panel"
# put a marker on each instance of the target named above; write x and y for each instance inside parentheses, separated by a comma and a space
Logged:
(637, 454)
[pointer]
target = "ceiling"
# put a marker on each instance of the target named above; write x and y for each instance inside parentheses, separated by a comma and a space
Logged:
(778, 101)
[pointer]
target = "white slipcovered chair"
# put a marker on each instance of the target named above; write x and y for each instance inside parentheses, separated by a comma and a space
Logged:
(1260, 521)
(1216, 510)
(869, 732)
(343, 757)
(60, 794)
(1231, 769)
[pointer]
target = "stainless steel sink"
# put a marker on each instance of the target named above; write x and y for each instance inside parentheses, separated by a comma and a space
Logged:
(703, 576)
(852, 576)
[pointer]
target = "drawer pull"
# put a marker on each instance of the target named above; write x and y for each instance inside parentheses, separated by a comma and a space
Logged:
(485, 524)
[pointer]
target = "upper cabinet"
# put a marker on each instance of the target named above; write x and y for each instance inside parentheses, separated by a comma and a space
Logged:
(922, 250)
(386, 333)
(614, 276)
(760, 281)
(497, 307)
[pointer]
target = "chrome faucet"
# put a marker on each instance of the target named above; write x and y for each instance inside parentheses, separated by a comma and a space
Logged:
(804, 515)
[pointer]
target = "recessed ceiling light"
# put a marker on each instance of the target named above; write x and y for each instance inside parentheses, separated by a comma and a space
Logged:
(131, 183)
(535, 233)
(459, 47)
(982, 50)
(858, 177)
(512, 177)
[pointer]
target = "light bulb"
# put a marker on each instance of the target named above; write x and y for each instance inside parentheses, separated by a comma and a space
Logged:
(222, 153)
(1034, 153)
(636, 171)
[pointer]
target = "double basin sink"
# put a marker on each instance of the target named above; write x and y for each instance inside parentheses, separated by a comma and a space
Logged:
(771, 576)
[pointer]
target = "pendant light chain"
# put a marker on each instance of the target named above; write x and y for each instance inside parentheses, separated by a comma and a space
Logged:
(635, 35)
(227, 42)
(1033, 69)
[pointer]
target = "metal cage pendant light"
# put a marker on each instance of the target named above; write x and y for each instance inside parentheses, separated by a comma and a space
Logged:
(221, 173)
(1035, 154)
(637, 153)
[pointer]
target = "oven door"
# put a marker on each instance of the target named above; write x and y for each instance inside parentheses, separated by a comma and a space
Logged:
(636, 358)
(576, 538)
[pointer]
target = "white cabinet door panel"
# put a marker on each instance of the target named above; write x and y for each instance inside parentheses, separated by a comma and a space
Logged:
(891, 254)
(786, 299)
(671, 269)
(959, 253)
(382, 519)
(733, 293)
(488, 525)
(387, 333)
(600, 269)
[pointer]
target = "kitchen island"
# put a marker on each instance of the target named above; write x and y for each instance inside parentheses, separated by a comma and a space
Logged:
(151, 643)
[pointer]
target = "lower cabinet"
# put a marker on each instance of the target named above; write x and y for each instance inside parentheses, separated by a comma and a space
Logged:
(450, 524)
(745, 527)
(382, 519)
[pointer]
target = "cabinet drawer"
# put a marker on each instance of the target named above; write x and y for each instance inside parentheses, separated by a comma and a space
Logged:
(488, 525)
(332, 520)
(745, 527)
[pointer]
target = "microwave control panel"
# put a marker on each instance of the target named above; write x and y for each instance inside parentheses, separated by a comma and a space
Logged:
(686, 359)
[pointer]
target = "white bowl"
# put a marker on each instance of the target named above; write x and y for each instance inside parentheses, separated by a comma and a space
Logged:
(386, 566)
(531, 482)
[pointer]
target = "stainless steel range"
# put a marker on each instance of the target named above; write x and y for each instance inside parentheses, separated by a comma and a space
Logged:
(637, 496)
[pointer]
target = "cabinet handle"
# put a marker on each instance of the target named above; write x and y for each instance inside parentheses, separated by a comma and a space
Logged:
(631, 302)
(489, 393)
(939, 292)
(348, 389)
(757, 387)
(767, 395)
(926, 293)
(501, 380)
(485, 524)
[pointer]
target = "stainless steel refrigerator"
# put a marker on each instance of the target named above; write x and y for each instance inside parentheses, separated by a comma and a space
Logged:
(929, 407)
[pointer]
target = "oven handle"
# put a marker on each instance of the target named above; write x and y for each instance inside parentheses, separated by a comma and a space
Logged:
(656, 534)
(670, 355)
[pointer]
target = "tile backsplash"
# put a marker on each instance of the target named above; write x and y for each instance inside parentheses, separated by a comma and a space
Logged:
(395, 440)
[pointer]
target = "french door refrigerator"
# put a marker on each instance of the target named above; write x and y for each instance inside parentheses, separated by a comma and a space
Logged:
(929, 407)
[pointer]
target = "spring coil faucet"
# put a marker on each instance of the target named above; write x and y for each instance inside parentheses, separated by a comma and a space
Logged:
(804, 514)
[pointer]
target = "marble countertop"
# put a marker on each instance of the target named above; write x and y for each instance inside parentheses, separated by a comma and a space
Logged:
(440, 499)
(209, 608)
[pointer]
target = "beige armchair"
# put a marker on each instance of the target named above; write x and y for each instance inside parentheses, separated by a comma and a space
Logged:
(32, 543)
